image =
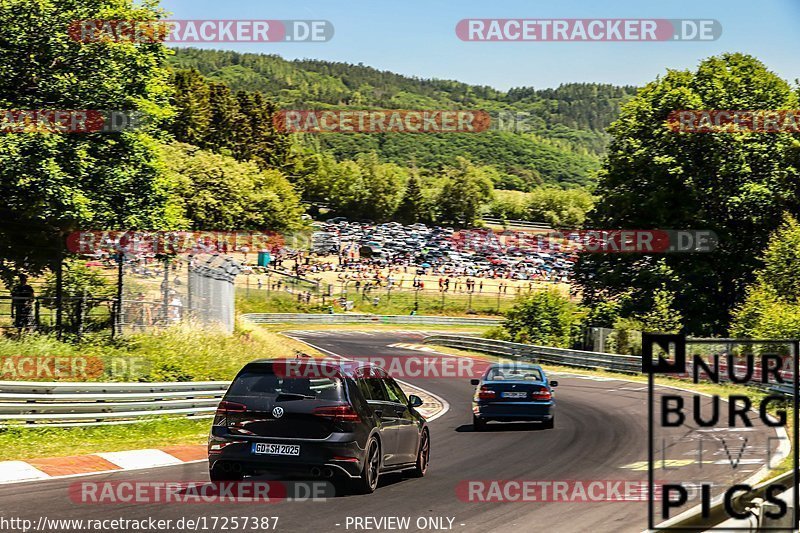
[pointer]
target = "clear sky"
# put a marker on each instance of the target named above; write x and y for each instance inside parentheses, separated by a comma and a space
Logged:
(417, 37)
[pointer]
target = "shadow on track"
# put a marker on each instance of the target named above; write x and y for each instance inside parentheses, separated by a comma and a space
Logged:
(505, 426)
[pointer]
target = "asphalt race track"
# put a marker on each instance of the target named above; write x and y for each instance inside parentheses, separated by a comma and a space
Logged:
(600, 434)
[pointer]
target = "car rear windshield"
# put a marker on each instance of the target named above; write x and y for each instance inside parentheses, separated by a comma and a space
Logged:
(265, 382)
(514, 373)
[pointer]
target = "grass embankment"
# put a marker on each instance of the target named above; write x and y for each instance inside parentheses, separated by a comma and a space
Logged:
(181, 353)
(396, 303)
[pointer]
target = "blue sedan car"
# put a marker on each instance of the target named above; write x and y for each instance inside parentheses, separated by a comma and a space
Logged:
(513, 392)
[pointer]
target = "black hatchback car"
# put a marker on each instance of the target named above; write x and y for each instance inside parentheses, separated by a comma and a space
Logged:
(344, 421)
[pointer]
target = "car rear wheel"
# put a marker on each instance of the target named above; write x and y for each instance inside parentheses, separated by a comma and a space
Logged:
(550, 424)
(423, 455)
(368, 481)
(478, 424)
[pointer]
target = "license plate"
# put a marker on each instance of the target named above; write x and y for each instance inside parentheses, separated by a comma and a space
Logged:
(263, 448)
(513, 394)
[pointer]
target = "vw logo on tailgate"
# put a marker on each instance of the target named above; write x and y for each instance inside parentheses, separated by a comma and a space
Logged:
(277, 412)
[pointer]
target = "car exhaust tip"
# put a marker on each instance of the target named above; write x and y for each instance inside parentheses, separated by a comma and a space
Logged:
(327, 472)
(315, 472)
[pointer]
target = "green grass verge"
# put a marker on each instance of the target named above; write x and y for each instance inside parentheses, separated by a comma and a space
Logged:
(29, 443)
(396, 303)
(180, 353)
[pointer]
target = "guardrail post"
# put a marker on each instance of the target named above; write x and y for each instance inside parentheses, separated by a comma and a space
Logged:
(765, 523)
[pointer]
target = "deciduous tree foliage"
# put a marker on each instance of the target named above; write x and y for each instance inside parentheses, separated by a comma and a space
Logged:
(772, 306)
(466, 188)
(216, 192)
(546, 318)
(738, 185)
(55, 183)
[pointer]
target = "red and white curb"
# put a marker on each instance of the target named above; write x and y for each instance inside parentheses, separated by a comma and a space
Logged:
(97, 463)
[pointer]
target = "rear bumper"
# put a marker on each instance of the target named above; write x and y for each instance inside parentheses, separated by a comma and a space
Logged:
(514, 411)
(342, 457)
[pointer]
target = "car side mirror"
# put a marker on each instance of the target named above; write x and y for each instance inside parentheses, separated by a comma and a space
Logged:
(475, 382)
(554, 383)
(414, 401)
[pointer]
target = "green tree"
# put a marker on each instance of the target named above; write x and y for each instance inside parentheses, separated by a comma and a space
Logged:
(546, 318)
(225, 118)
(381, 186)
(509, 205)
(256, 138)
(464, 192)
(781, 258)
(412, 207)
(771, 308)
(737, 185)
(52, 184)
(216, 192)
(559, 207)
(191, 101)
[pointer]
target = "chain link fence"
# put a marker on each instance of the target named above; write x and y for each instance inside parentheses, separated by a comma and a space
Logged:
(123, 294)
(158, 292)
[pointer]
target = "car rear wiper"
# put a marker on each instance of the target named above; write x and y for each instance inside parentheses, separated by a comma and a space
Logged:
(297, 395)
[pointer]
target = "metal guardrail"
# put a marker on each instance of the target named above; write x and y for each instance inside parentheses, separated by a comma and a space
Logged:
(517, 223)
(577, 358)
(347, 318)
(65, 404)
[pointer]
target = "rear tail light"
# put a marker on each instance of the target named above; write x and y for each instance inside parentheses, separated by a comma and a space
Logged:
(486, 394)
(542, 394)
(346, 459)
(230, 407)
(338, 413)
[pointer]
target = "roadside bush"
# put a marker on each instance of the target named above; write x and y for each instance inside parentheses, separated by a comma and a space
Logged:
(498, 333)
(771, 308)
(546, 318)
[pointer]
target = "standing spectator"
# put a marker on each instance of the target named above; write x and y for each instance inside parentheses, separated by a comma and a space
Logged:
(175, 308)
(22, 303)
(141, 315)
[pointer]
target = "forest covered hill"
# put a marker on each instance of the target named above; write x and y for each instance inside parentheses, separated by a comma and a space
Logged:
(539, 136)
